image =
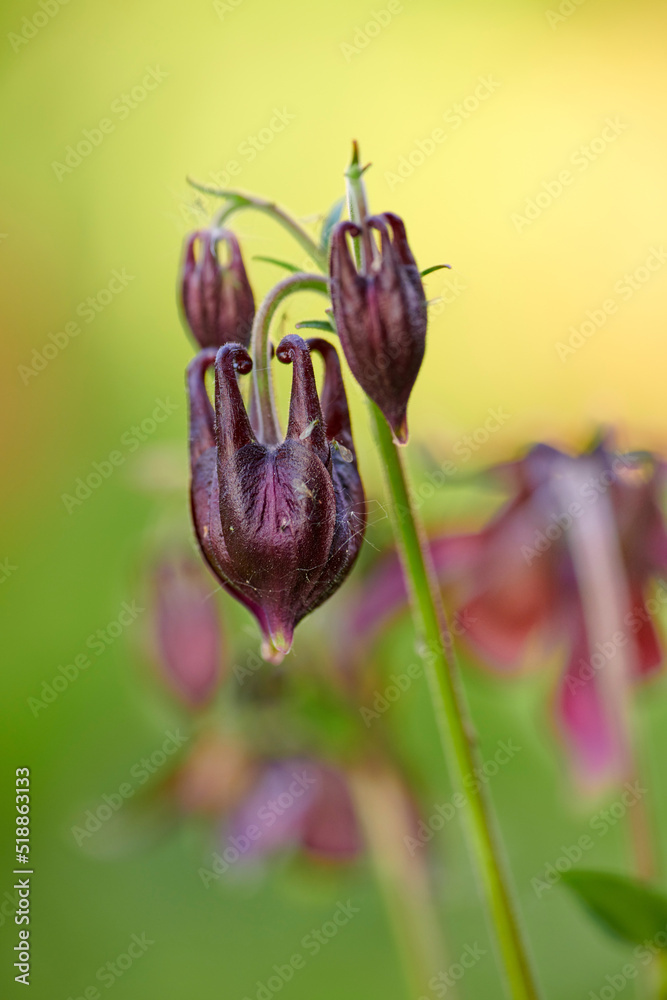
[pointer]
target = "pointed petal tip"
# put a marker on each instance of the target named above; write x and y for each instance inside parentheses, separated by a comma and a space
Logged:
(399, 431)
(276, 644)
(270, 654)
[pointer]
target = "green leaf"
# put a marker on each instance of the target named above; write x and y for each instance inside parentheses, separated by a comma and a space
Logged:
(436, 267)
(626, 908)
(279, 263)
(332, 218)
(315, 324)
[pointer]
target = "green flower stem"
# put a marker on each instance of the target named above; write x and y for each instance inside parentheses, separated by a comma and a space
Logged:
(239, 201)
(268, 430)
(357, 206)
(455, 731)
(456, 734)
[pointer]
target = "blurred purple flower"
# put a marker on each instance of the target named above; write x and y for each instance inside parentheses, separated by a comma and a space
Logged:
(568, 560)
(187, 632)
(299, 804)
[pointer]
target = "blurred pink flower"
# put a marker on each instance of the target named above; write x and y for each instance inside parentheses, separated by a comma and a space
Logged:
(299, 804)
(568, 560)
(187, 632)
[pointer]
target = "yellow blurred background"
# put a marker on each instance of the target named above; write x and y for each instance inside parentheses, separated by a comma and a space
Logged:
(517, 288)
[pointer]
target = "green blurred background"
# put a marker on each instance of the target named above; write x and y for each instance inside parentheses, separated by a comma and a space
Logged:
(518, 286)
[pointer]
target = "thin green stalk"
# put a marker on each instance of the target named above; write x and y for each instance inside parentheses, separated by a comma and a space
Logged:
(239, 201)
(268, 431)
(456, 733)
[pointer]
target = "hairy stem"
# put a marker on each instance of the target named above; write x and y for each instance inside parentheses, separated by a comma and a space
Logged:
(237, 201)
(267, 423)
(456, 733)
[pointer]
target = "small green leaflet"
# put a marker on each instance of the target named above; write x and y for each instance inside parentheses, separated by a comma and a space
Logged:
(279, 263)
(316, 324)
(332, 218)
(626, 908)
(436, 267)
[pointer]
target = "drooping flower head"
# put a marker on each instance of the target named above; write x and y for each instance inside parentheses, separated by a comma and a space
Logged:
(217, 299)
(279, 524)
(380, 313)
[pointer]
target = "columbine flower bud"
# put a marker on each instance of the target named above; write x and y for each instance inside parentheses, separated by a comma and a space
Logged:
(188, 637)
(217, 299)
(380, 314)
(280, 525)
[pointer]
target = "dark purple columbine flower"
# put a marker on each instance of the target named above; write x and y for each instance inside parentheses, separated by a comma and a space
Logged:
(217, 299)
(380, 314)
(187, 633)
(279, 524)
